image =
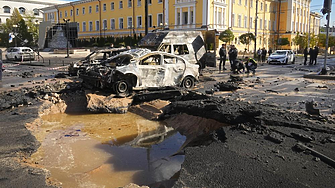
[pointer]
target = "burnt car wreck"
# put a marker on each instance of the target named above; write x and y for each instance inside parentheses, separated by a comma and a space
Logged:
(140, 69)
(95, 57)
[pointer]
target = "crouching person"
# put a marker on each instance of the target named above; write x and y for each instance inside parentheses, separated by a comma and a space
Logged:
(250, 65)
(237, 67)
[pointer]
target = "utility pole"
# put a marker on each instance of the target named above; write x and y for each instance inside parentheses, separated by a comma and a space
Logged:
(327, 5)
(256, 17)
(67, 37)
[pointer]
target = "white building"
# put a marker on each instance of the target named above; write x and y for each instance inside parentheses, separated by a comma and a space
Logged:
(24, 6)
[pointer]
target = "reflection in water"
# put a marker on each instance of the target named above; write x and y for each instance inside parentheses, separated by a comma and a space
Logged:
(107, 150)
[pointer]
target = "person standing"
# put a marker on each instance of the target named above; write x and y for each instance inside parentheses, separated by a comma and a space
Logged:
(316, 53)
(259, 54)
(223, 57)
(270, 51)
(311, 56)
(232, 55)
(305, 55)
(264, 52)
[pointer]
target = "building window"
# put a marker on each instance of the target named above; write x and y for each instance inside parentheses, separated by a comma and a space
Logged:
(120, 23)
(139, 21)
(97, 25)
(233, 20)
(120, 5)
(112, 5)
(6, 9)
(138, 2)
(250, 22)
(96, 8)
(261, 6)
(260, 24)
(160, 19)
(113, 23)
(77, 11)
(184, 20)
(60, 14)
(90, 9)
(91, 26)
(104, 7)
(37, 12)
(130, 22)
(150, 21)
(65, 13)
(239, 19)
(22, 10)
(71, 12)
(104, 24)
(178, 18)
(245, 22)
(251, 3)
(246, 3)
(269, 25)
(149, 2)
(129, 3)
(160, 1)
(265, 24)
(84, 26)
(83, 9)
(240, 2)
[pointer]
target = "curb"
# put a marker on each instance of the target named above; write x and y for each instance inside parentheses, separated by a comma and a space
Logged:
(321, 77)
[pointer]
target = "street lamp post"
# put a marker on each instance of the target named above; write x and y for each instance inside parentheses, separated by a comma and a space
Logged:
(67, 37)
(15, 27)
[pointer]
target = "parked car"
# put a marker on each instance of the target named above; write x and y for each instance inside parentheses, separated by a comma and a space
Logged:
(96, 57)
(19, 53)
(141, 69)
(282, 57)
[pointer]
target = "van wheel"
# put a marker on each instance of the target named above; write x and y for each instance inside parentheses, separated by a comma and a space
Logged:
(188, 82)
(122, 88)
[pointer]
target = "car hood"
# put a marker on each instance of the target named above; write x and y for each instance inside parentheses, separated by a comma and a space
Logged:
(277, 56)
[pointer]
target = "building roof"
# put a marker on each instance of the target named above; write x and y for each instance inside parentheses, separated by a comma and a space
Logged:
(41, 2)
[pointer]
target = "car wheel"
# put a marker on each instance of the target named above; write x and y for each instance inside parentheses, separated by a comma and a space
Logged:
(188, 82)
(293, 61)
(7, 58)
(122, 88)
(15, 58)
(286, 61)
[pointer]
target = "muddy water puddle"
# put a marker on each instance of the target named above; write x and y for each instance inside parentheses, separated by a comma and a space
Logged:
(107, 150)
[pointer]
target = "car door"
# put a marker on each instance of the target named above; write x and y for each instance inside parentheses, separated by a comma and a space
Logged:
(175, 69)
(151, 71)
(10, 53)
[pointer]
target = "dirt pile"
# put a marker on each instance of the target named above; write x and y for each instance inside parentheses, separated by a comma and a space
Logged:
(107, 104)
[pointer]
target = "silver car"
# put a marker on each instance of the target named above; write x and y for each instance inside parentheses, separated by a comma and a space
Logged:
(141, 69)
(282, 57)
(20, 53)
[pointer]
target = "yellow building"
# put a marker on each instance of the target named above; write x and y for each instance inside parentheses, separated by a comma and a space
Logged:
(276, 19)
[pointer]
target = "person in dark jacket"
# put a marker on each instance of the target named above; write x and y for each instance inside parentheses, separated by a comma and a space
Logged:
(250, 65)
(264, 52)
(305, 55)
(237, 67)
(316, 53)
(223, 57)
(232, 54)
(311, 56)
(270, 51)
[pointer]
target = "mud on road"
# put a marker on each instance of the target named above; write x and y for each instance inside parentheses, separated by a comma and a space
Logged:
(230, 142)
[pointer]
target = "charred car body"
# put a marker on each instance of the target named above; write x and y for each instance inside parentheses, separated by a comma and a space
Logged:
(141, 69)
(96, 57)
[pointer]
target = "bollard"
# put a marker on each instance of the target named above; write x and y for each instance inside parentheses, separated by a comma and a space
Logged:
(63, 62)
(49, 62)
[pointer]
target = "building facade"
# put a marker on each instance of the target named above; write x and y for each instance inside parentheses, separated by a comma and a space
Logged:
(32, 7)
(271, 21)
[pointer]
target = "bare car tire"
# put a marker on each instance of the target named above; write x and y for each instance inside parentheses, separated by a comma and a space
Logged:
(188, 82)
(122, 88)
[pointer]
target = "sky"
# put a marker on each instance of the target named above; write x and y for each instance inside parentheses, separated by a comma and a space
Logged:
(316, 6)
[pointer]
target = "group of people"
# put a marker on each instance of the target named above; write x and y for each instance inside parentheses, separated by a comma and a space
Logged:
(261, 54)
(313, 54)
(236, 65)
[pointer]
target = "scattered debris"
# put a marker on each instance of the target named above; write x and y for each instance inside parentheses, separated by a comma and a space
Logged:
(302, 137)
(323, 157)
(310, 108)
(275, 137)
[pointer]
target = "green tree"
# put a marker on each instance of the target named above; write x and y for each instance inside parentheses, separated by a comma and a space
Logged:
(23, 35)
(247, 38)
(8, 27)
(301, 41)
(321, 40)
(32, 25)
(283, 41)
(226, 36)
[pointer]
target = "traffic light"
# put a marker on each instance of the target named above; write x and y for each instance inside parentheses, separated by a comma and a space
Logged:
(327, 6)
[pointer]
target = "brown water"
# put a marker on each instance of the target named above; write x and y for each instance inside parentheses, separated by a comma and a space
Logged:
(107, 150)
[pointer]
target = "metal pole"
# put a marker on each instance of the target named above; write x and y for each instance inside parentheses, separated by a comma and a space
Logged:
(146, 17)
(309, 31)
(324, 71)
(256, 17)
(67, 39)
